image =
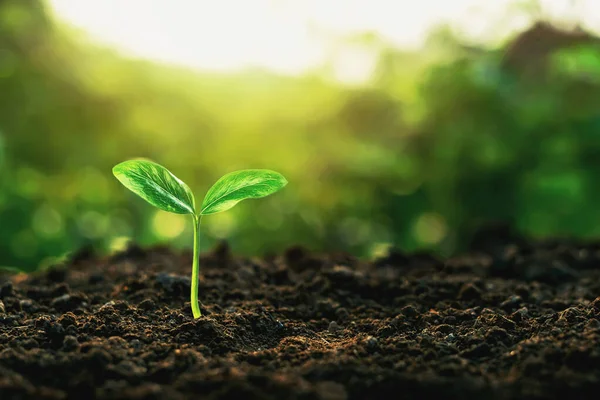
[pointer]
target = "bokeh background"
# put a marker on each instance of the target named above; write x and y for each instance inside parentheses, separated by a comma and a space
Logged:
(397, 123)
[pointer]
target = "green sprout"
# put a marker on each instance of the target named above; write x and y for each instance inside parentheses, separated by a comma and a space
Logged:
(159, 187)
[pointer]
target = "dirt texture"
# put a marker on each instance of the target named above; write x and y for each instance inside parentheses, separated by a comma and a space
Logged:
(508, 320)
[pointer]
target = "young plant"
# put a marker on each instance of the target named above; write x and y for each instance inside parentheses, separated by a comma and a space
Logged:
(159, 187)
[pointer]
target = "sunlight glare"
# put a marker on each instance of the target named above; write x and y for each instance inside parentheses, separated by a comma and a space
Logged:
(287, 36)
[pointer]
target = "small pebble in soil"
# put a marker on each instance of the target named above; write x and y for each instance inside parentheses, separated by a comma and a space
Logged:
(26, 305)
(333, 327)
(513, 302)
(170, 282)
(69, 302)
(410, 311)
(61, 301)
(371, 342)
(70, 343)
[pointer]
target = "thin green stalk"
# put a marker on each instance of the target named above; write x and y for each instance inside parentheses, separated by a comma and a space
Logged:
(195, 268)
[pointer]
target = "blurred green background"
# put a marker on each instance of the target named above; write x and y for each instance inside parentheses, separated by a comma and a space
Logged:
(436, 142)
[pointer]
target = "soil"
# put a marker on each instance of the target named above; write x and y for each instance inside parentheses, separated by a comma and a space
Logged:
(508, 320)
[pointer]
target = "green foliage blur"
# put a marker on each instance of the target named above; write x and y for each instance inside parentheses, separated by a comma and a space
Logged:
(438, 143)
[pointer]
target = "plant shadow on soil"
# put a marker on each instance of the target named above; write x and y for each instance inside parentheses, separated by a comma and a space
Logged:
(507, 320)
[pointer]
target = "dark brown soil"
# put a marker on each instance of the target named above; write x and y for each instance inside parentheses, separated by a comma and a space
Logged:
(503, 322)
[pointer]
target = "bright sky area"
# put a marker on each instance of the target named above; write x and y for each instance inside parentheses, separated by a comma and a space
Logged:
(287, 36)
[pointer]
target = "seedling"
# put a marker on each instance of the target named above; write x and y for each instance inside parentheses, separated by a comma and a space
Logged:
(159, 187)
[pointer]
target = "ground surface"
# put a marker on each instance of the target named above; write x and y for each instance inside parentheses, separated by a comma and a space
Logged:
(503, 322)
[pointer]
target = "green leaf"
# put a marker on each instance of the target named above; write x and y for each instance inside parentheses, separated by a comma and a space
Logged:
(157, 185)
(240, 185)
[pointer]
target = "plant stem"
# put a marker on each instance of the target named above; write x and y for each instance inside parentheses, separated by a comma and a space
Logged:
(195, 268)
